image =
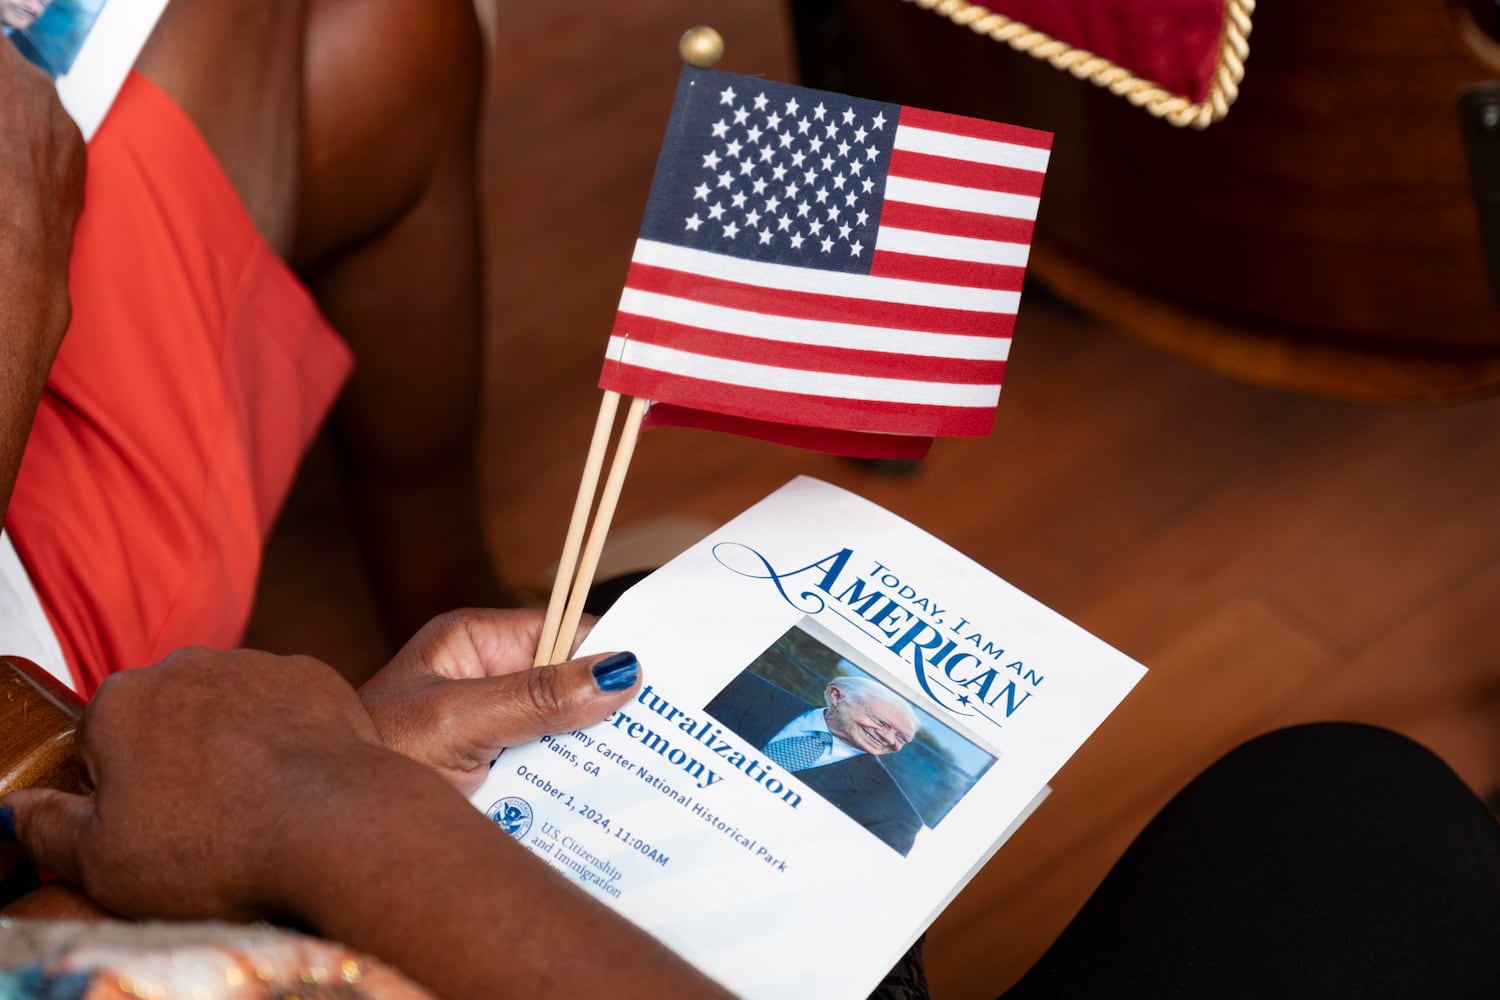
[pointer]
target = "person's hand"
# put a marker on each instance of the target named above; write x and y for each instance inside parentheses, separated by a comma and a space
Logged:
(238, 785)
(209, 770)
(463, 689)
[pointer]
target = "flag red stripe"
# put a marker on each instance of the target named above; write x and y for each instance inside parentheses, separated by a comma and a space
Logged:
(852, 444)
(965, 173)
(809, 305)
(915, 419)
(805, 357)
(939, 121)
(943, 271)
(952, 222)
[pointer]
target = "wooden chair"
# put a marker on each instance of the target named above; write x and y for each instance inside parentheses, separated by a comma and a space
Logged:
(38, 717)
(1335, 234)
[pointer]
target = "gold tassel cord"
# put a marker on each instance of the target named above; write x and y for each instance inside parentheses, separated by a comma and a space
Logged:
(1229, 69)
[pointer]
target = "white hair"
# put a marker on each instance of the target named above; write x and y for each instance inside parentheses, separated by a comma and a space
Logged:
(861, 690)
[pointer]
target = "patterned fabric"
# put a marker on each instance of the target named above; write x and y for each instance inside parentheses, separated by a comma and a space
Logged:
(67, 960)
(798, 753)
(103, 960)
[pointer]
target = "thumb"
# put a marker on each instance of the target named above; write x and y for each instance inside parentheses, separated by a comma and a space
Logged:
(522, 706)
(49, 826)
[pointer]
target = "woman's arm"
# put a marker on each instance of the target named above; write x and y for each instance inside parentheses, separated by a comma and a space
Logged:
(244, 784)
(41, 194)
(425, 881)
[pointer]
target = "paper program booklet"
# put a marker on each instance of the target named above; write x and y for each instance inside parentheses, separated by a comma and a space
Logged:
(779, 881)
(87, 46)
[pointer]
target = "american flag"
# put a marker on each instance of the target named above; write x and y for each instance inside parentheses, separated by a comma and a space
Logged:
(826, 271)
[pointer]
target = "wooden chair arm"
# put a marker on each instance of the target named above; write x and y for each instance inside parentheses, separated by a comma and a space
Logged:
(38, 717)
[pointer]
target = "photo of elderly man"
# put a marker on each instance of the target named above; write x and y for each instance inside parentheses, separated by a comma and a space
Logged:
(832, 748)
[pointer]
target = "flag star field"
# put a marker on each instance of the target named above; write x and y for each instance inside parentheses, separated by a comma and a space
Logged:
(783, 182)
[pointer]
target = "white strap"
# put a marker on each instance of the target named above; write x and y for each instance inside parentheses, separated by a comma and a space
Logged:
(24, 628)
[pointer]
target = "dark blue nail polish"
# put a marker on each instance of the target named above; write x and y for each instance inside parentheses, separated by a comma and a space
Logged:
(617, 672)
(7, 825)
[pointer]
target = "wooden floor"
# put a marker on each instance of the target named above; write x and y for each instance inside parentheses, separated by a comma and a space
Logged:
(1270, 558)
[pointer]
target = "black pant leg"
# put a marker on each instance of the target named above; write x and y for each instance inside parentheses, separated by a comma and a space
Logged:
(1328, 860)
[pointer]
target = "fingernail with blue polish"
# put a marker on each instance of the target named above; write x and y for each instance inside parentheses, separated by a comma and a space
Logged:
(617, 672)
(7, 825)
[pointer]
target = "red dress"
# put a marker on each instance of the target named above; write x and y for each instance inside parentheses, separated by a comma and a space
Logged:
(195, 373)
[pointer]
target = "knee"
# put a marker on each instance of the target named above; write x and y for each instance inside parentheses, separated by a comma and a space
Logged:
(392, 98)
(435, 52)
(1376, 775)
(420, 64)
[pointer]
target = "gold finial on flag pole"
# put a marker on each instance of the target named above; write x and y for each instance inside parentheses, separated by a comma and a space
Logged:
(701, 46)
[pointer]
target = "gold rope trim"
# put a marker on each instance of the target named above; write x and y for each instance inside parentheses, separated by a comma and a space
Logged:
(1234, 49)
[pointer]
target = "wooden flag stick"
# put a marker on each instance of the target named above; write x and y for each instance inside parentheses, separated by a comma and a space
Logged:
(624, 449)
(700, 46)
(582, 505)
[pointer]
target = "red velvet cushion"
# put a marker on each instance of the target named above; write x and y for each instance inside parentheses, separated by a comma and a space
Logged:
(1173, 43)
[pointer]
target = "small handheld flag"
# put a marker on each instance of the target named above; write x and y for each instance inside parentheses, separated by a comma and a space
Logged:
(813, 270)
(825, 271)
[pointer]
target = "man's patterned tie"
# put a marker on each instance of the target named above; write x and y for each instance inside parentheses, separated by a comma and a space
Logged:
(797, 753)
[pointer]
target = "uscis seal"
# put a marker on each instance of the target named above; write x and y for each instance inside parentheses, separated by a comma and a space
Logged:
(512, 814)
